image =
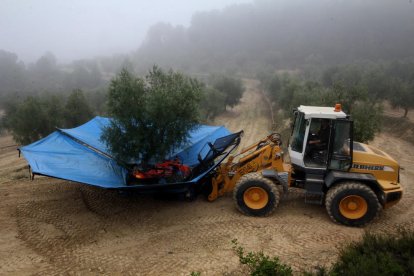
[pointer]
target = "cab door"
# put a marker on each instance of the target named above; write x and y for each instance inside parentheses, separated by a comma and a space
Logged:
(298, 138)
(341, 142)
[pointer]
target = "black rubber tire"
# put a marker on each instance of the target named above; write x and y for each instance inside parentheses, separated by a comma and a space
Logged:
(256, 180)
(344, 189)
(191, 194)
(206, 188)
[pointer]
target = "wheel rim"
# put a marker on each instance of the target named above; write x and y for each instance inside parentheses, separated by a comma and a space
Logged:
(255, 198)
(353, 207)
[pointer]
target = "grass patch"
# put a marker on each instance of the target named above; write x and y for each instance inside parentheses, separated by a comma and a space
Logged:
(260, 264)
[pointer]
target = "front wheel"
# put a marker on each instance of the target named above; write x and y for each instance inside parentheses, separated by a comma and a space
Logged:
(255, 195)
(352, 203)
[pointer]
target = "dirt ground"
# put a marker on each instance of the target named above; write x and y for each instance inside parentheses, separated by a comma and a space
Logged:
(51, 226)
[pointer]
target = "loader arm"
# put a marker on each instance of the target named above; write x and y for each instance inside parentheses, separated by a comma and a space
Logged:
(254, 158)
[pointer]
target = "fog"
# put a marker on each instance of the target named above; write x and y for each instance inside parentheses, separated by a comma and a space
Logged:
(269, 35)
(301, 51)
(60, 45)
(80, 29)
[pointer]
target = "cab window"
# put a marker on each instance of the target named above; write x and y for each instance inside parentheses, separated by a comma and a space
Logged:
(298, 134)
(341, 158)
(317, 145)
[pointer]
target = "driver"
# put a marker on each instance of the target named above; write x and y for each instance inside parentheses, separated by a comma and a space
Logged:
(323, 135)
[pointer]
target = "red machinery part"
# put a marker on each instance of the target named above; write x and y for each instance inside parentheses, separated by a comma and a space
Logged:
(166, 169)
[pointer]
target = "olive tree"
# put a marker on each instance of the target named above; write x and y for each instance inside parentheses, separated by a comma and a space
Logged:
(232, 88)
(33, 118)
(150, 116)
(366, 113)
(402, 95)
(212, 103)
(77, 110)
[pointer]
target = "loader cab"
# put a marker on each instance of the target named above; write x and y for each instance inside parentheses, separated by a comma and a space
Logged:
(321, 140)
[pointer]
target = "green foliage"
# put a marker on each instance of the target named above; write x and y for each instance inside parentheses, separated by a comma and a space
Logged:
(392, 81)
(401, 85)
(385, 254)
(347, 96)
(347, 88)
(53, 112)
(366, 114)
(77, 110)
(317, 271)
(377, 254)
(212, 103)
(367, 120)
(33, 118)
(403, 95)
(97, 100)
(151, 116)
(232, 89)
(260, 264)
(376, 82)
(38, 116)
(195, 273)
(288, 92)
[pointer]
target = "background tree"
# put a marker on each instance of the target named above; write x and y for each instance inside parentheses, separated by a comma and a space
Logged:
(77, 110)
(402, 95)
(283, 35)
(12, 73)
(231, 87)
(33, 118)
(44, 74)
(52, 106)
(151, 116)
(367, 120)
(37, 116)
(341, 85)
(212, 103)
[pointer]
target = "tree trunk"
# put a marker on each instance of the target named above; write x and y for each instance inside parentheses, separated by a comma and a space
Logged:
(405, 112)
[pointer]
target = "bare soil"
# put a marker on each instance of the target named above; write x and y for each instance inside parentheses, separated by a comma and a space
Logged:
(51, 226)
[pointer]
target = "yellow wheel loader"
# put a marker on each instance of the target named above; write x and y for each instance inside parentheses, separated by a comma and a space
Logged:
(354, 180)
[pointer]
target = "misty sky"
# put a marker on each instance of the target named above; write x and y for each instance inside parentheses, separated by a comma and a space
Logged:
(74, 29)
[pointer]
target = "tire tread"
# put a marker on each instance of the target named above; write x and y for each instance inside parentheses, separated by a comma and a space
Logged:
(337, 189)
(256, 177)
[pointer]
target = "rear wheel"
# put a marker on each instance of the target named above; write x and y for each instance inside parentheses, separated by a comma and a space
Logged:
(352, 203)
(255, 195)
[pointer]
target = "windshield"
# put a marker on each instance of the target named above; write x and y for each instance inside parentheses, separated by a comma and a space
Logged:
(298, 133)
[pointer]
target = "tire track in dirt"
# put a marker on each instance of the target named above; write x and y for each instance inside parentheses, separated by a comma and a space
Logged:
(251, 115)
(64, 242)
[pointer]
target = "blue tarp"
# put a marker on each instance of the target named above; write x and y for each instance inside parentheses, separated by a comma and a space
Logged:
(77, 154)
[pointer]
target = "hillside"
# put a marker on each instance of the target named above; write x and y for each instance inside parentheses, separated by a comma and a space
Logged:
(271, 35)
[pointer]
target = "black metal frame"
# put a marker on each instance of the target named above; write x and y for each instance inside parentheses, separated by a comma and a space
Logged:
(222, 151)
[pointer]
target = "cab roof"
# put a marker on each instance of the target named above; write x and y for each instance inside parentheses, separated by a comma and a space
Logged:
(321, 112)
